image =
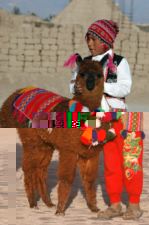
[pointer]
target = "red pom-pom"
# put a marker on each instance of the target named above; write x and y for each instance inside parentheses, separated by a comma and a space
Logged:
(129, 173)
(101, 135)
(93, 113)
(107, 117)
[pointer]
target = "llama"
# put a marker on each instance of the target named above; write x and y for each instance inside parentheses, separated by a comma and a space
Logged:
(90, 78)
(39, 144)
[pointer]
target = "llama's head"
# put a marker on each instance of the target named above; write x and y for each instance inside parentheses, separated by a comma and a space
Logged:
(89, 83)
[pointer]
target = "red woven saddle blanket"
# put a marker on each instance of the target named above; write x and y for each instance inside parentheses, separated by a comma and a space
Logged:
(31, 101)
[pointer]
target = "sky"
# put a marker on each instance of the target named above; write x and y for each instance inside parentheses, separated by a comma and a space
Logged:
(44, 8)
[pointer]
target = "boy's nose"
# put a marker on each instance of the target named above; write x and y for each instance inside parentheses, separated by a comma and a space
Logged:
(90, 42)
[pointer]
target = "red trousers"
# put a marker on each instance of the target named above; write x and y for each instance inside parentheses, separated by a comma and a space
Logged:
(117, 174)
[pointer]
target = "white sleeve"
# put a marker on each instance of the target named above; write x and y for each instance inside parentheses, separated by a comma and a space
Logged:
(123, 85)
(73, 79)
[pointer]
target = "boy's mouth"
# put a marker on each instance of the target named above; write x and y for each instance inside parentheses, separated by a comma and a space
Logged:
(93, 52)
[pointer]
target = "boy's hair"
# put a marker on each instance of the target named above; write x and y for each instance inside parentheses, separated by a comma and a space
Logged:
(105, 30)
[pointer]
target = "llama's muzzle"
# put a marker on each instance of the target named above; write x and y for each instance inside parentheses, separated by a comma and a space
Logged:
(91, 79)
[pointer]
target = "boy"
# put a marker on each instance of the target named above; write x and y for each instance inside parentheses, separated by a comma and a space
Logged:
(100, 38)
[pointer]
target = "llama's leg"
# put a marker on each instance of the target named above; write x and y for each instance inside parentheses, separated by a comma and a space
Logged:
(30, 187)
(42, 187)
(66, 174)
(36, 158)
(35, 176)
(89, 171)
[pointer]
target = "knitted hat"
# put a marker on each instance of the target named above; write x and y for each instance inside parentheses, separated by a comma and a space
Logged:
(105, 30)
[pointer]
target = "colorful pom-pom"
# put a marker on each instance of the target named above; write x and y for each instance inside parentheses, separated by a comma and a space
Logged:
(124, 133)
(75, 106)
(114, 115)
(86, 137)
(101, 135)
(118, 115)
(94, 135)
(142, 134)
(107, 117)
(129, 173)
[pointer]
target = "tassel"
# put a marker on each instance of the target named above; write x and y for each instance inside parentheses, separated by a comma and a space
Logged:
(94, 138)
(111, 65)
(142, 134)
(124, 133)
(70, 62)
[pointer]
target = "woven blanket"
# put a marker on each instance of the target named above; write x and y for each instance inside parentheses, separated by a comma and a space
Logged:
(34, 100)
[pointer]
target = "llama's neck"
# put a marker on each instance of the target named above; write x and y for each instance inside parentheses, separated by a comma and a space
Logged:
(92, 103)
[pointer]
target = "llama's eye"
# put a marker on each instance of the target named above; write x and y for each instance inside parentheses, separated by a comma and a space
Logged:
(99, 75)
(82, 74)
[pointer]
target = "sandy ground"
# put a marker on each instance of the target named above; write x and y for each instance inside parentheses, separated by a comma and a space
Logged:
(14, 207)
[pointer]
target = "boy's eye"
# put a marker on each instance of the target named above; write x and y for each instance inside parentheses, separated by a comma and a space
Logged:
(93, 38)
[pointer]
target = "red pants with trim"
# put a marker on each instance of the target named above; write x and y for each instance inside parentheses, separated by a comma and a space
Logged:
(115, 174)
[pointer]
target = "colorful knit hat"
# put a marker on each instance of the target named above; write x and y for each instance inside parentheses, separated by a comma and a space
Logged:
(105, 30)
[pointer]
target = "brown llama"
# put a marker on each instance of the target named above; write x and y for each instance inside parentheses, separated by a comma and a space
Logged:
(39, 144)
(90, 79)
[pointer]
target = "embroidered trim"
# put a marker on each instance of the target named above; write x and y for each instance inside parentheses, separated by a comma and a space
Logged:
(131, 152)
(133, 121)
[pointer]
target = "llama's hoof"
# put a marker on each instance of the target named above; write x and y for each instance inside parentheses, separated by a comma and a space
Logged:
(36, 207)
(59, 213)
(50, 204)
(33, 205)
(94, 208)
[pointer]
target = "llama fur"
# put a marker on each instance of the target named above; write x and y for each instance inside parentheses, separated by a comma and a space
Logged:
(39, 144)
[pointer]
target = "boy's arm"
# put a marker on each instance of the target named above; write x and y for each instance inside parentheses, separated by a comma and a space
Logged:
(124, 81)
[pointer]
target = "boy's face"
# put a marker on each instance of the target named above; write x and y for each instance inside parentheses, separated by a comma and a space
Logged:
(95, 46)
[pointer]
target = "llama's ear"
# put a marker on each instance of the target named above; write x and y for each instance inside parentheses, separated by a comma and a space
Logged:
(79, 59)
(75, 58)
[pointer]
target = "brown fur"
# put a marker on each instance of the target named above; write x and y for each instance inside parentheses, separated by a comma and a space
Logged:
(91, 99)
(39, 144)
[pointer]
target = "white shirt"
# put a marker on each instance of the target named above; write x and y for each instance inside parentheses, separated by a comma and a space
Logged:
(118, 90)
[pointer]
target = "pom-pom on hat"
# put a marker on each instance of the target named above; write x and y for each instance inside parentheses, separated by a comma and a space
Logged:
(105, 30)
